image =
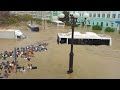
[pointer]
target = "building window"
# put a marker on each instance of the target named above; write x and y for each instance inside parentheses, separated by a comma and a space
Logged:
(117, 25)
(111, 24)
(113, 15)
(103, 15)
(88, 22)
(90, 14)
(106, 24)
(94, 15)
(98, 15)
(97, 23)
(108, 15)
(80, 14)
(118, 15)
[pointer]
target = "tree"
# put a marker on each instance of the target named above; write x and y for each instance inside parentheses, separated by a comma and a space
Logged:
(4, 14)
(25, 17)
(66, 18)
(109, 29)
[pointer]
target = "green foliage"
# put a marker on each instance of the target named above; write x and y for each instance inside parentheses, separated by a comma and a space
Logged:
(68, 24)
(49, 21)
(66, 18)
(8, 21)
(2, 21)
(4, 14)
(38, 21)
(109, 29)
(12, 20)
(25, 17)
(96, 27)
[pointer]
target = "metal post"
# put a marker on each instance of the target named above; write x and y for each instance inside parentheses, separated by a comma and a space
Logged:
(43, 20)
(31, 22)
(119, 28)
(15, 57)
(44, 23)
(85, 23)
(71, 52)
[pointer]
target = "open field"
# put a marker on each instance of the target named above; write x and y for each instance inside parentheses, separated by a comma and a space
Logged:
(90, 62)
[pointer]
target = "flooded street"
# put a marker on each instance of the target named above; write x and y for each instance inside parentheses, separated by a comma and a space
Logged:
(90, 62)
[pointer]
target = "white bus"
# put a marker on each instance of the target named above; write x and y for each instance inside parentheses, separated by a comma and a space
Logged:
(88, 38)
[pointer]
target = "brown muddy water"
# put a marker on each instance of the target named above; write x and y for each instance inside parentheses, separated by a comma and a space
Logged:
(90, 62)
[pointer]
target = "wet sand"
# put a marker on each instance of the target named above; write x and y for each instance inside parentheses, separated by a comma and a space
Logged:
(90, 62)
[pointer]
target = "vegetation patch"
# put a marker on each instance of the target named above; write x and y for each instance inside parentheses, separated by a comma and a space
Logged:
(109, 29)
(96, 27)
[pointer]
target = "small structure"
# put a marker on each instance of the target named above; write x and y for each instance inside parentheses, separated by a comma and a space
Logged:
(32, 27)
(58, 23)
(88, 38)
(11, 34)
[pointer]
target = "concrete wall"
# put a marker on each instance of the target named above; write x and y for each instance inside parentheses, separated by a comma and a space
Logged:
(7, 34)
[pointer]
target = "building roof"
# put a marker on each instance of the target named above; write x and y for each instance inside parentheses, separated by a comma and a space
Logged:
(87, 35)
(56, 21)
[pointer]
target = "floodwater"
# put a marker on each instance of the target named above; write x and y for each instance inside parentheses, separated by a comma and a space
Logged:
(90, 62)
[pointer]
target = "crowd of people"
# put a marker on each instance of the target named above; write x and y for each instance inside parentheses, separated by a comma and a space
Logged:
(8, 67)
(23, 52)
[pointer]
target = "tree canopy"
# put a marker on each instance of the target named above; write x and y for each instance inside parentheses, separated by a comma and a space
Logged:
(4, 14)
(66, 18)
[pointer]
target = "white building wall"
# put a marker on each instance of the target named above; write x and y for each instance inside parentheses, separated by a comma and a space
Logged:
(98, 12)
(7, 34)
(116, 15)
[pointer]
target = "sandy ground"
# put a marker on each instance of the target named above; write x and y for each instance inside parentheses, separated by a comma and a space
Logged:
(90, 62)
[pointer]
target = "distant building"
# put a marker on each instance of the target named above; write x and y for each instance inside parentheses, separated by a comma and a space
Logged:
(54, 15)
(102, 18)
